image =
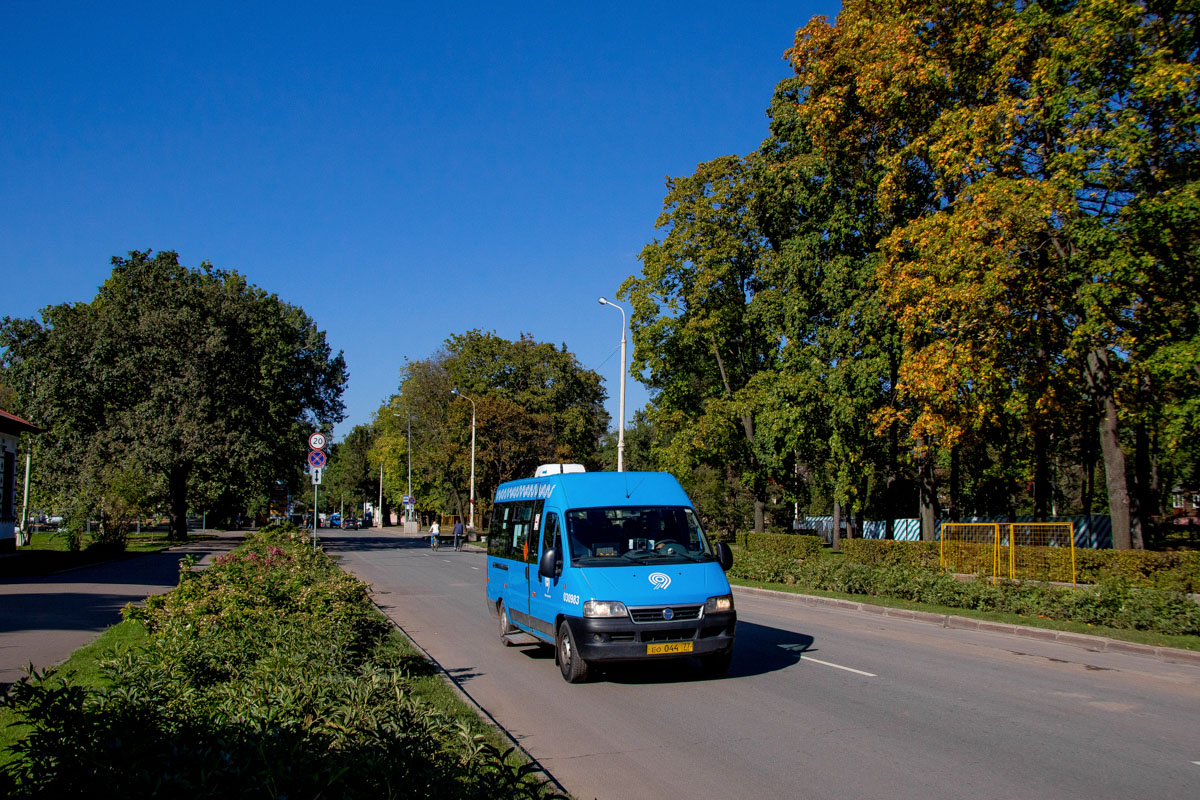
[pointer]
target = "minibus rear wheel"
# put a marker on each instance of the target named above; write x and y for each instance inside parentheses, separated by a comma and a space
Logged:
(574, 669)
(506, 627)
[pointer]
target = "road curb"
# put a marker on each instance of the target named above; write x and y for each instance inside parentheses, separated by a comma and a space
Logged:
(1100, 644)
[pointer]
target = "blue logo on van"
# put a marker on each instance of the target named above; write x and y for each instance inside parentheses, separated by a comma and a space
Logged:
(668, 613)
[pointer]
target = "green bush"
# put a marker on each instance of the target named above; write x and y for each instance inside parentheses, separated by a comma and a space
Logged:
(1169, 571)
(1113, 602)
(879, 552)
(268, 674)
(797, 546)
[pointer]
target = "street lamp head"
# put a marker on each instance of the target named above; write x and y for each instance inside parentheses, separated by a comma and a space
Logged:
(603, 301)
(454, 391)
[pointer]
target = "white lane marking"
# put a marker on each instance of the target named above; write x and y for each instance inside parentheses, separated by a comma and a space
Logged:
(1197, 763)
(474, 567)
(839, 666)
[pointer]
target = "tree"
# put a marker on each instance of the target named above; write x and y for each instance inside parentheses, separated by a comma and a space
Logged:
(698, 342)
(349, 478)
(1021, 152)
(534, 404)
(194, 378)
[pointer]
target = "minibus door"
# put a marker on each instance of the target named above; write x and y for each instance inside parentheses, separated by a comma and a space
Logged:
(545, 593)
(524, 551)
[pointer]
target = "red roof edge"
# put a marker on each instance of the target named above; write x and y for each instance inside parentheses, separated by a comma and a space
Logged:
(11, 423)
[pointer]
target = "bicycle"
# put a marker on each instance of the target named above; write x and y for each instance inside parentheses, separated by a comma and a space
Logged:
(433, 542)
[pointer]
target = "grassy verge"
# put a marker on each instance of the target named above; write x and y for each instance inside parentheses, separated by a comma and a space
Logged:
(1136, 636)
(83, 667)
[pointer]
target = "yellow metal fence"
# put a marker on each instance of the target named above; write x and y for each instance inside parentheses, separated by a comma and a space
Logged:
(1026, 550)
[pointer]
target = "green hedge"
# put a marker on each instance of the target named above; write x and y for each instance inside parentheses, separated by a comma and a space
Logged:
(269, 674)
(1171, 571)
(787, 544)
(1113, 602)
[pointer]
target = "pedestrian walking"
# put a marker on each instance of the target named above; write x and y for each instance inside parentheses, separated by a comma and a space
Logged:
(458, 532)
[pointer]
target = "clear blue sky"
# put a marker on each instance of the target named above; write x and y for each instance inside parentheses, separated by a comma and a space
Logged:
(400, 171)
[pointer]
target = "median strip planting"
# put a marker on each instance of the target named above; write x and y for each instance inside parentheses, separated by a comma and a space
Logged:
(270, 673)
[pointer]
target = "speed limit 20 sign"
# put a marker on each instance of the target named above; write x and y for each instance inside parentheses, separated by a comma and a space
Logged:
(317, 441)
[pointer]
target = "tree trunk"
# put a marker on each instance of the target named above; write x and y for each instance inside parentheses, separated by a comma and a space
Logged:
(177, 480)
(1041, 472)
(1142, 502)
(1100, 382)
(1088, 489)
(928, 492)
(760, 515)
(955, 477)
(837, 525)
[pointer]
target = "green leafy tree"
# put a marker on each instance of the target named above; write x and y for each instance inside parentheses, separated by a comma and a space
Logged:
(534, 403)
(193, 378)
(348, 478)
(698, 340)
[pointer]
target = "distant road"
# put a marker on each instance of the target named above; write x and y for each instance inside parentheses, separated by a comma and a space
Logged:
(820, 703)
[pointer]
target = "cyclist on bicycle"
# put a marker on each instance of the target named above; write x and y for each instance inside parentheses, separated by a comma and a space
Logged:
(434, 530)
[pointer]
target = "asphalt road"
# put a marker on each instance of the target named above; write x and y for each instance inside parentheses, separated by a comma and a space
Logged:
(819, 703)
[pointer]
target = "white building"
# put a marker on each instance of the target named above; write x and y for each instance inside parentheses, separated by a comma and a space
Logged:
(11, 428)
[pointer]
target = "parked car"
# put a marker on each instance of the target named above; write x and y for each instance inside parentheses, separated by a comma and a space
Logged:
(335, 520)
(350, 523)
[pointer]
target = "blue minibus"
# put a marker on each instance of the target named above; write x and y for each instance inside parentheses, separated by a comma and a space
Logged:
(608, 566)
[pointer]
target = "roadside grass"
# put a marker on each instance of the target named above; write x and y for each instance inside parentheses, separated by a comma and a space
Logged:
(84, 668)
(1135, 636)
(434, 690)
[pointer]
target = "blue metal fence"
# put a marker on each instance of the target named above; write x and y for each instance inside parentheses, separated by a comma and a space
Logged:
(1094, 532)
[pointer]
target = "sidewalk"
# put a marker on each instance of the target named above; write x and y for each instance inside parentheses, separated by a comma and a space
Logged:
(45, 619)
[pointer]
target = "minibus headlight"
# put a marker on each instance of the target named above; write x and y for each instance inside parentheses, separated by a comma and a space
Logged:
(604, 608)
(721, 603)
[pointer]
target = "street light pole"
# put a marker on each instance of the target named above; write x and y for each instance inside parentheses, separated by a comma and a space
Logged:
(456, 392)
(407, 506)
(621, 430)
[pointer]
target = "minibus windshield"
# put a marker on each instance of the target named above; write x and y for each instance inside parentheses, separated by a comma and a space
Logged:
(635, 534)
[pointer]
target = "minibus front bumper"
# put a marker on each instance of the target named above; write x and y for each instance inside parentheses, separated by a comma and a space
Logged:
(622, 639)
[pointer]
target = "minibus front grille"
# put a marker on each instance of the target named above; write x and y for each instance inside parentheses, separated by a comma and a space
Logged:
(670, 635)
(657, 613)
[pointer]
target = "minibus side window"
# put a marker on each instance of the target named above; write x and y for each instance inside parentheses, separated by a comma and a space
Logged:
(531, 556)
(551, 535)
(499, 541)
(521, 527)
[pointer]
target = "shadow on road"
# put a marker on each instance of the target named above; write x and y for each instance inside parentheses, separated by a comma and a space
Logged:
(335, 541)
(759, 649)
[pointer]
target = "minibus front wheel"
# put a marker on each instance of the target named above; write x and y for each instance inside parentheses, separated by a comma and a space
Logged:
(574, 669)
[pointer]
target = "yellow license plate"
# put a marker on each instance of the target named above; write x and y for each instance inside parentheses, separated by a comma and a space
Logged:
(668, 647)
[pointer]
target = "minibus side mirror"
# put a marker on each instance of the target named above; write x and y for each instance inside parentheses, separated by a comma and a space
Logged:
(724, 556)
(550, 564)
